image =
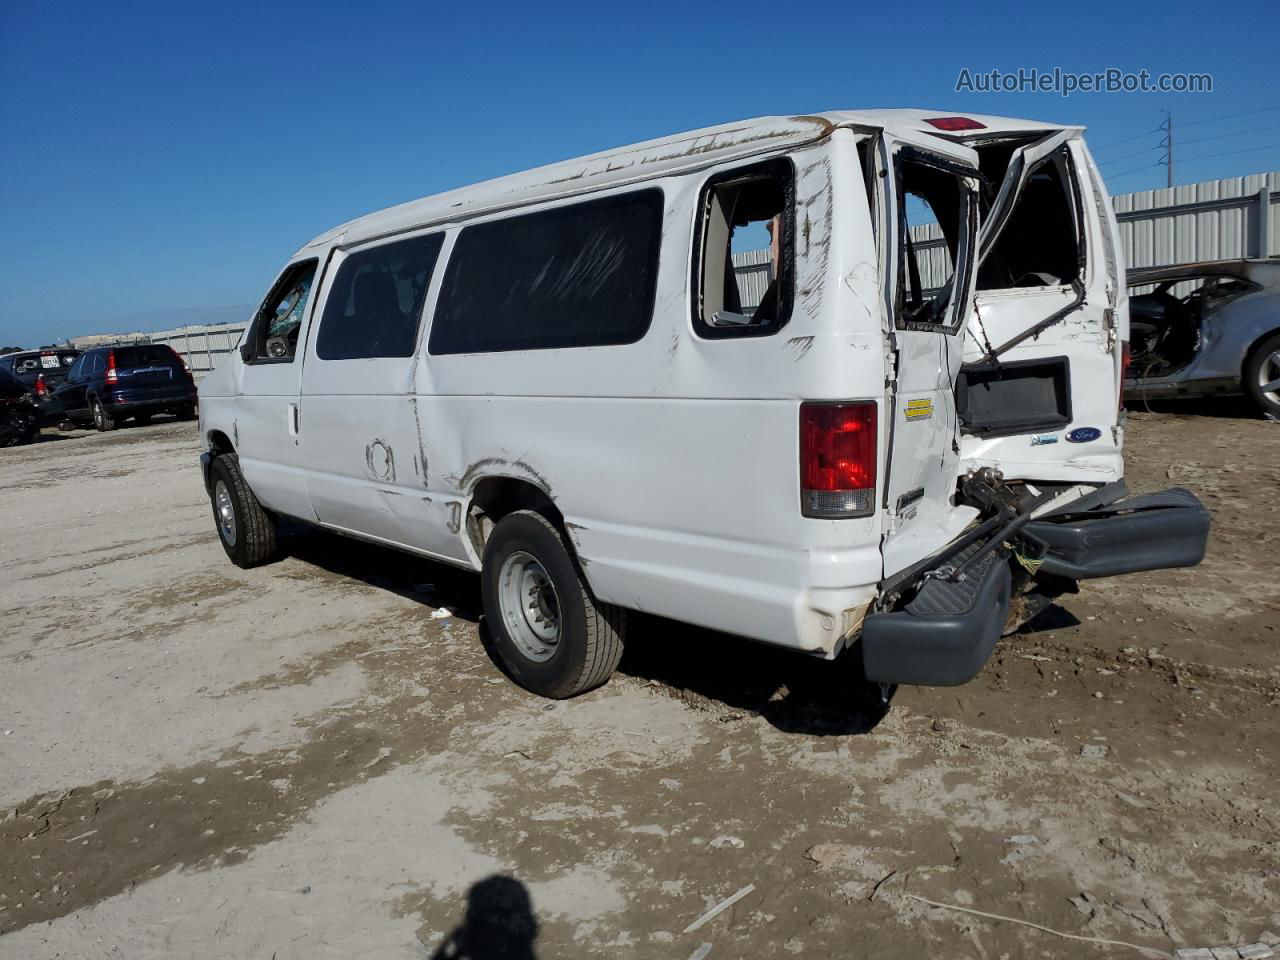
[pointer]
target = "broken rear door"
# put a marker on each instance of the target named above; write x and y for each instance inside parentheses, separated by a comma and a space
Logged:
(929, 207)
(1040, 387)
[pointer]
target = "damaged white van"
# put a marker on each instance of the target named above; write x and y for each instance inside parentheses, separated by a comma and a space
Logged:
(823, 381)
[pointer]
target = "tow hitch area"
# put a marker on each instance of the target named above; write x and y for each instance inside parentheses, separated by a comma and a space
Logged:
(1148, 532)
(958, 600)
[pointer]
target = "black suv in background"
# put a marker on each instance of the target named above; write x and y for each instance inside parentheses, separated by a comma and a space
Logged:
(41, 372)
(108, 384)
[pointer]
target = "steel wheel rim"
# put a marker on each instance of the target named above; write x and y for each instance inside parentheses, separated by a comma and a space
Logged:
(529, 606)
(225, 512)
(1269, 377)
(98, 418)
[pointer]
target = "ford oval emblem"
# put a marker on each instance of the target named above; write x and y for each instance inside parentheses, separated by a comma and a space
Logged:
(1083, 434)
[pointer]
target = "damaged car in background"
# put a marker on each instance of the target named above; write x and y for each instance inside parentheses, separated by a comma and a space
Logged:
(19, 415)
(904, 446)
(1206, 329)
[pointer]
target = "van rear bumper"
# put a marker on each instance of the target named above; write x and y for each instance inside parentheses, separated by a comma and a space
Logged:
(1153, 531)
(945, 635)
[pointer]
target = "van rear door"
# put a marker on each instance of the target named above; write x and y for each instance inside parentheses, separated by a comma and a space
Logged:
(928, 206)
(1040, 387)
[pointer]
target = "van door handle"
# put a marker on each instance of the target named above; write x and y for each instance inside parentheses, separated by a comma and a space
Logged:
(293, 419)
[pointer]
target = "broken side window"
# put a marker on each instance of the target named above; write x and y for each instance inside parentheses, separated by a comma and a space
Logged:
(744, 246)
(274, 333)
(934, 221)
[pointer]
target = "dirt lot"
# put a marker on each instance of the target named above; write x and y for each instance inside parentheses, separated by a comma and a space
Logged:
(299, 761)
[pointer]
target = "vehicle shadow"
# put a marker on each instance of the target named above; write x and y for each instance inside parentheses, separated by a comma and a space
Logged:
(711, 671)
(415, 578)
(794, 692)
(498, 924)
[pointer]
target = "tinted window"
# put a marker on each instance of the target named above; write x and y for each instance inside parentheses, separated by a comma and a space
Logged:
(98, 362)
(146, 356)
(77, 368)
(577, 276)
(375, 303)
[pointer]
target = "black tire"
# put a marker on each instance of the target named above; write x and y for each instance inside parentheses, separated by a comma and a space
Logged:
(185, 413)
(142, 419)
(589, 634)
(1263, 361)
(251, 539)
(103, 420)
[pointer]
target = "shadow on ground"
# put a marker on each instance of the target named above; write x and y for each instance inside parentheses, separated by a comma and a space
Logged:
(498, 925)
(711, 671)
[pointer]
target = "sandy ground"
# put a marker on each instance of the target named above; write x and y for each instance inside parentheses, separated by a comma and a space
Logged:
(298, 761)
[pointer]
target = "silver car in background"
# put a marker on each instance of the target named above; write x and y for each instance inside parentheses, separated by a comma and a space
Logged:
(1204, 329)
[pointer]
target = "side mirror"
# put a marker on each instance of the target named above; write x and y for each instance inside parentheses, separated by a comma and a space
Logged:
(246, 352)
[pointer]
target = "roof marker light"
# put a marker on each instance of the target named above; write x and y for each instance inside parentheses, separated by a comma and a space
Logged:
(955, 123)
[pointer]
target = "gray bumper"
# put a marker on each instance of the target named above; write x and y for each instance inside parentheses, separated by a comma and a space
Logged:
(945, 635)
(1149, 532)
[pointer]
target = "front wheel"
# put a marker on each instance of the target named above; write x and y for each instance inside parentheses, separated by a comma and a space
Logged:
(103, 420)
(549, 633)
(1261, 376)
(186, 413)
(247, 532)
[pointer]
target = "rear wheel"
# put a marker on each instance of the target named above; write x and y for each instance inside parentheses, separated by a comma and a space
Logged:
(1261, 376)
(103, 420)
(549, 633)
(246, 530)
(186, 413)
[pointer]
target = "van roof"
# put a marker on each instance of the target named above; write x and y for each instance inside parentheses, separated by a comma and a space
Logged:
(653, 158)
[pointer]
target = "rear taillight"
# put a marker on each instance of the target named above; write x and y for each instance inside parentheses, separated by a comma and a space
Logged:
(837, 459)
(1124, 371)
(42, 388)
(112, 376)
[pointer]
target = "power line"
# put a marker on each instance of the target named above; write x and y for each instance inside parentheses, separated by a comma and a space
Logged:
(1230, 116)
(1190, 123)
(1127, 156)
(1207, 156)
(1116, 143)
(1232, 153)
(1237, 133)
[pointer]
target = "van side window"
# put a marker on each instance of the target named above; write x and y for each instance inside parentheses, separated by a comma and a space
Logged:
(935, 223)
(274, 334)
(375, 304)
(743, 278)
(582, 275)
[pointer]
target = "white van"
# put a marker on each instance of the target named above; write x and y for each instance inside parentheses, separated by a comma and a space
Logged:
(819, 381)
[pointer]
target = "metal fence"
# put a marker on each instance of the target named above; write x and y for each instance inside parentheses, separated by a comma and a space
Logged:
(1212, 220)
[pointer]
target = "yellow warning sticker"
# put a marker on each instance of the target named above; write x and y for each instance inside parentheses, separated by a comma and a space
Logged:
(919, 409)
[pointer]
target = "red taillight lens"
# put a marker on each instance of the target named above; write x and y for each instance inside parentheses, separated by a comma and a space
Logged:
(42, 388)
(1124, 371)
(112, 376)
(837, 459)
(955, 123)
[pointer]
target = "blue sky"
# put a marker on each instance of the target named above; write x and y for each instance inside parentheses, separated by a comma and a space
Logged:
(159, 162)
